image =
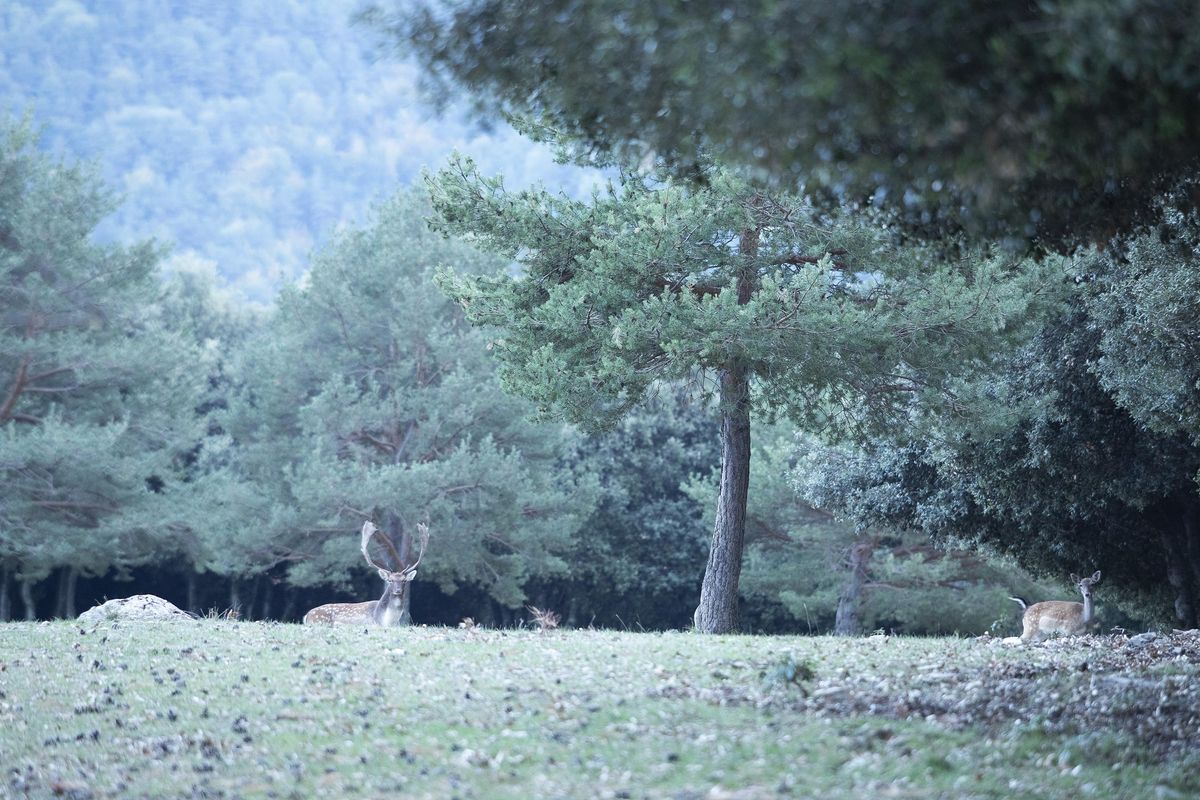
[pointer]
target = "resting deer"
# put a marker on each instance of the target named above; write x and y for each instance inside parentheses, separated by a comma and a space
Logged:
(1059, 617)
(392, 607)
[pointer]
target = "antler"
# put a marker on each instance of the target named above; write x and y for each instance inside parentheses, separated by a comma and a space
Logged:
(423, 542)
(369, 532)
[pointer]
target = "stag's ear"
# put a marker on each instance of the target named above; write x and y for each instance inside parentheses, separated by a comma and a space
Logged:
(383, 573)
(409, 574)
(1096, 576)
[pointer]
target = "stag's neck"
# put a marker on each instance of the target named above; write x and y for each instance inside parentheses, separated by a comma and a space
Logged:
(390, 609)
(389, 614)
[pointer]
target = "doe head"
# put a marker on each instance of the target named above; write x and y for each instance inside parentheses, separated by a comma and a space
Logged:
(1085, 584)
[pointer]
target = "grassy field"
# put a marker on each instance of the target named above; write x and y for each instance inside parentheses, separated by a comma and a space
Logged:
(226, 709)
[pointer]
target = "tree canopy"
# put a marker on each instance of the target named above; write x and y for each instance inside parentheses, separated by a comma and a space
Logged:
(1047, 124)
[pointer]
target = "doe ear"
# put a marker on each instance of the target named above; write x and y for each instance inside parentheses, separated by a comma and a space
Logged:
(1074, 578)
(1096, 576)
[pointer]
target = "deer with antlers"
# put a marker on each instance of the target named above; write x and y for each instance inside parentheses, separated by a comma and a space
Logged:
(392, 607)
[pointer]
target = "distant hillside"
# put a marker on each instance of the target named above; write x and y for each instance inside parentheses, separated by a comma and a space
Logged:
(243, 132)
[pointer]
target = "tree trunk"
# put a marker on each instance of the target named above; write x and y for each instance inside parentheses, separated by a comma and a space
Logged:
(64, 601)
(252, 603)
(289, 604)
(266, 599)
(572, 613)
(69, 610)
(848, 621)
(505, 615)
(5, 605)
(59, 594)
(192, 599)
(718, 609)
(27, 600)
(1179, 578)
(1191, 549)
(235, 598)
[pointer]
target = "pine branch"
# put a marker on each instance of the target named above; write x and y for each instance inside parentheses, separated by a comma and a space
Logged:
(50, 373)
(70, 504)
(20, 380)
(52, 389)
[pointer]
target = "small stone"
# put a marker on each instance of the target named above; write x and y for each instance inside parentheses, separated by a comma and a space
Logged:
(1141, 640)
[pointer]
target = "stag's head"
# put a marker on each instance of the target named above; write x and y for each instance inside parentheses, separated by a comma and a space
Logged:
(397, 582)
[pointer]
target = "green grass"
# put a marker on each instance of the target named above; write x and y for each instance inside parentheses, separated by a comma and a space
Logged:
(226, 709)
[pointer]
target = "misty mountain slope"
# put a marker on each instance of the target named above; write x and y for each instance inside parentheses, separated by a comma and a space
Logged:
(242, 132)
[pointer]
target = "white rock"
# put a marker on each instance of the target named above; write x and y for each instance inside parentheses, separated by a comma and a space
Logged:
(141, 607)
(1141, 640)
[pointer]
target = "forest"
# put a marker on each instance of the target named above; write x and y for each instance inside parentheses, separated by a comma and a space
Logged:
(703, 393)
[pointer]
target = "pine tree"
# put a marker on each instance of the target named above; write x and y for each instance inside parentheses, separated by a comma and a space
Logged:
(367, 396)
(97, 390)
(758, 298)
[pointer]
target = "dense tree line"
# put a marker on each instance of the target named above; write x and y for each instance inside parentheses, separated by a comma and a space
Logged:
(157, 430)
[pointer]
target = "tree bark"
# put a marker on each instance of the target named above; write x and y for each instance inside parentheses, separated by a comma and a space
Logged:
(235, 598)
(265, 613)
(289, 605)
(718, 609)
(191, 592)
(27, 600)
(848, 621)
(71, 579)
(60, 595)
(1191, 550)
(252, 603)
(1179, 578)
